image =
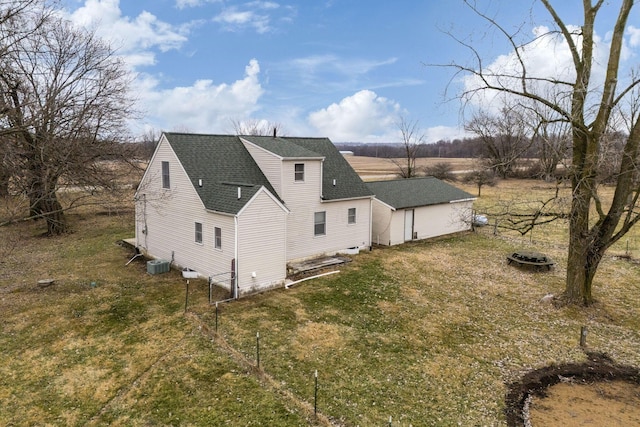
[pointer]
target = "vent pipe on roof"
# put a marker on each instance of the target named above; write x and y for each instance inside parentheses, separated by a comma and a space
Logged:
(334, 182)
(275, 130)
(239, 192)
(200, 182)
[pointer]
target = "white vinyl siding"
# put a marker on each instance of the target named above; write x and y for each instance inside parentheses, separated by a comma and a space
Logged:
(428, 221)
(262, 240)
(269, 164)
(441, 219)
(382, 224)
(169, 218)
(303, 200)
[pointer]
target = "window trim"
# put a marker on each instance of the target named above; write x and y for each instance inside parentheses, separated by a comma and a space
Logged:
(198, 233)
(166, 175)
(298, 175)
(352, 219)
(316, 224)
(217, 238)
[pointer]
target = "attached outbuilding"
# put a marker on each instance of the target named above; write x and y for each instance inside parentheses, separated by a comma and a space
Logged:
(418, 208)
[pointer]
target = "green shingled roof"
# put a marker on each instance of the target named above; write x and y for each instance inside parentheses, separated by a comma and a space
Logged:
(282, 147)
(415, 192)
(347, 182)
(223, 165)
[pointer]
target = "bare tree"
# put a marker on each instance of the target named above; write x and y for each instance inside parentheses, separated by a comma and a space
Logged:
(18, 20)
(552, 139)
(480, 178)
(64, 104)
(412, 141)
(147, 143)
(587, 106)
(504, 136)
(441, 170)
(256, 127)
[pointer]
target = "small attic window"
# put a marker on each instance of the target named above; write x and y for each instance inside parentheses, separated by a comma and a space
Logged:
(299, 172)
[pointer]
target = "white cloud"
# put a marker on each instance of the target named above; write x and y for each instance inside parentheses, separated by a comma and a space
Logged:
(181, 4)
(347, 66)
(362, 117)
(634, 36)
(546, 58)
(203, 106)
(135, 38)
(253, 15)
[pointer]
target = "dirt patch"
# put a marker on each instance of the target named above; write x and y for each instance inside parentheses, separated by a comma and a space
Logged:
(575, 394)
(614, 403)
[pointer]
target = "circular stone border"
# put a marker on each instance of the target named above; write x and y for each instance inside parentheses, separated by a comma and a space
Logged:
(599, 367)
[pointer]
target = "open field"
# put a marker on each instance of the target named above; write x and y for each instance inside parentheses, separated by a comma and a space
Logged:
(428, 333)
(378, 168)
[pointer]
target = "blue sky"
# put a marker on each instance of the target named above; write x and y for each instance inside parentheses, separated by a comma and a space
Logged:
(345, 69)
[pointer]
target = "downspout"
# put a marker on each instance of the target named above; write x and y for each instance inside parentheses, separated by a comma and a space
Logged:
(236, 294)
(286, 242)
(370, 223)
(321, 178)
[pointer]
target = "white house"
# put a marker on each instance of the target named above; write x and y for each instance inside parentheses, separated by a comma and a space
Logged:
(237, 209)
(418, 208)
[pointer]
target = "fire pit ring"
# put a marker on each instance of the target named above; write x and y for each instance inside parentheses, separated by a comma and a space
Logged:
(530, 258)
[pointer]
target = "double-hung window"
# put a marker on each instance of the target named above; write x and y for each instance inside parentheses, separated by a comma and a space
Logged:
(351, 216)
(320, 223)
(217, 240)
(165, 175)
(198, 232)
(299, 172)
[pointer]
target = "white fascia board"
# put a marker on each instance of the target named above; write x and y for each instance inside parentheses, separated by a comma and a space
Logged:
(347, 199)
(469, 199)
(301, 159)
(221, 213)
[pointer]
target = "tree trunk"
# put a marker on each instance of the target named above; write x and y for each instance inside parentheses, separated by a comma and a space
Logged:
(54, 215)
(585, 251)
(44, 203)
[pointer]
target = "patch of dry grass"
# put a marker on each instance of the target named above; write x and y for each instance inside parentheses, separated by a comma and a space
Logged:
(109, 344)
(429, 333)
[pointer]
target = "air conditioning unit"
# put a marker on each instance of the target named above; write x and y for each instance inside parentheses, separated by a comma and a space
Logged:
(157, 266)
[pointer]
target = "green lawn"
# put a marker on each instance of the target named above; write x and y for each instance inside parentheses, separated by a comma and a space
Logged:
(429, 333)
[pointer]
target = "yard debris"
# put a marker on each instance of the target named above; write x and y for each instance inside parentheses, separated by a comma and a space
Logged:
(44, 283)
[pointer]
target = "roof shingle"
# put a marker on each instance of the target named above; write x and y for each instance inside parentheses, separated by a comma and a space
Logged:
(224, 164)
(415, 192)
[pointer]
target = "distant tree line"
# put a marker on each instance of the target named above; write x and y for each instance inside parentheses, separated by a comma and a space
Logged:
(457, 148)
